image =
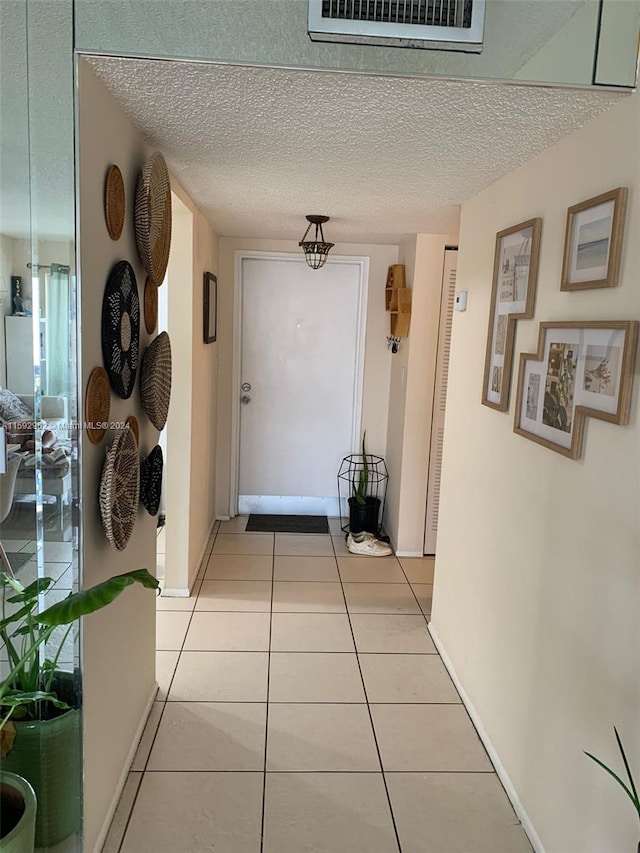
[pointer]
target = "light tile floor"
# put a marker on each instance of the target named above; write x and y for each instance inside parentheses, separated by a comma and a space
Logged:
(303, 707)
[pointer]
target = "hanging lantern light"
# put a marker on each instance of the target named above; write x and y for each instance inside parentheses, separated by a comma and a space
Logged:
(316, 250)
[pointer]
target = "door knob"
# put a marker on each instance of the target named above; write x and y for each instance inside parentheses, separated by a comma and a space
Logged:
(246, 386)
(245, 399)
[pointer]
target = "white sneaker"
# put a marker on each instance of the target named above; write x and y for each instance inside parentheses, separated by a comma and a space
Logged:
(366, 545)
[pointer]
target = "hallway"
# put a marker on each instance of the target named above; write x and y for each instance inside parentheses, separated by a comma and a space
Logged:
(303, 702)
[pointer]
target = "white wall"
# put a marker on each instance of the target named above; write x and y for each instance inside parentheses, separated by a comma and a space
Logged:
(537, 582)
(377, 357)
(118, 643)
(411, 394)
(191, 426)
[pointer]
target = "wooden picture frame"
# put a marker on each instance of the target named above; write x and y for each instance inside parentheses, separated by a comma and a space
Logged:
(513, 293)
(581, 369)
(593, 241)
(210, 307)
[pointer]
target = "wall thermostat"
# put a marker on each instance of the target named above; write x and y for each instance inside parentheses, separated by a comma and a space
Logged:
(460, 301)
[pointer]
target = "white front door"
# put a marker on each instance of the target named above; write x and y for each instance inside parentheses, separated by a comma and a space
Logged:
(300, 381)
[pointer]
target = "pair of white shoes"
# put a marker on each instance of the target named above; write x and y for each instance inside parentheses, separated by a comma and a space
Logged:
(366, 545)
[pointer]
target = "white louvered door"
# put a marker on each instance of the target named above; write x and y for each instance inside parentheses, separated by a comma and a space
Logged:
(440, 398)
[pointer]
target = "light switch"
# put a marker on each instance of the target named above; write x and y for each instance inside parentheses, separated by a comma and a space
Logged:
(460, 301)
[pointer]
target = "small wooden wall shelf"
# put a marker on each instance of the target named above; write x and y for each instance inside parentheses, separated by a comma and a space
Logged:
(397, 297)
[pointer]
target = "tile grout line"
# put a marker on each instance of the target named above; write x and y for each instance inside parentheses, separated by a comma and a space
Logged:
(266, 722)
(164, 705)
(364, 688)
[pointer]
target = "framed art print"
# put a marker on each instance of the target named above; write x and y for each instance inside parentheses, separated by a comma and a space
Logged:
(581, 369)
(515, 271)
(210, 307)
(593, 241)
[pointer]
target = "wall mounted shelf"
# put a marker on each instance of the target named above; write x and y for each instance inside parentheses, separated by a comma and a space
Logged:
(397, 298)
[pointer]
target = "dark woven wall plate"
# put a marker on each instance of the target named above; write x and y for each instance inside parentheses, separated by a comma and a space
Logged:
(121, 328)
(151, 480)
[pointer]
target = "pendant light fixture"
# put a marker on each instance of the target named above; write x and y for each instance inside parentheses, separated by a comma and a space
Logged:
(316, 250)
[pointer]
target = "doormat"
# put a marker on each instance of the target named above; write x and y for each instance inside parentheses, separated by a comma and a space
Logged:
(18, 559)
(287, 524)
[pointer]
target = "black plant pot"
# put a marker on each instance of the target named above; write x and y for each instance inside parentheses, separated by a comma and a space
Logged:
(364, 517)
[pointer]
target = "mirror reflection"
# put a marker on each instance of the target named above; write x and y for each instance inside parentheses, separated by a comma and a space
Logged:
(40, 724)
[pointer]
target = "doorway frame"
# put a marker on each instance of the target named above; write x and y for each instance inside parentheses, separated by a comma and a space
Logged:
(362, 264)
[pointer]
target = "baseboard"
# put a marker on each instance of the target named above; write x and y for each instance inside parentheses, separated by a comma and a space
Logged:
(223, 518)
(204, 553)
(102, 837)
(409, 554)
(176, 592)
(507, 784)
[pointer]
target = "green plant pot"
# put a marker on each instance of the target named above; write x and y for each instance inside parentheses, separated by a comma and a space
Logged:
(364, 517)
(48, 754)
(18, 814)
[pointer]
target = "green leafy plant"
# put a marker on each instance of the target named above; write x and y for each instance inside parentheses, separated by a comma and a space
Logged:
(28, 691)
(361, 487)
(630, 790)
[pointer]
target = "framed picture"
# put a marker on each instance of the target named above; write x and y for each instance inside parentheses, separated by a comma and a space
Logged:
(581, 369)
(593, 241)
(210, 307)
(515, 272)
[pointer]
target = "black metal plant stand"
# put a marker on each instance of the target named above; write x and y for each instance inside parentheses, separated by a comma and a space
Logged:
(348, 479)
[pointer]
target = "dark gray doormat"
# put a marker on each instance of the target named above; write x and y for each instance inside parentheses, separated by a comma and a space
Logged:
(287, 524)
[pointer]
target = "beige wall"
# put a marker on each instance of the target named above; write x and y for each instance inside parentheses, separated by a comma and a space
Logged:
(377, 357)
(537, 579)
(118, 643)
(411, 394)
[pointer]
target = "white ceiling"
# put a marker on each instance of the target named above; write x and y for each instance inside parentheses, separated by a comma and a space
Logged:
(385, 157)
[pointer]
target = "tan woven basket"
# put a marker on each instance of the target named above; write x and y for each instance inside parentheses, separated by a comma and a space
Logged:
(114, 202)
(97, 404)
(150, 306)
(120, 489)
(132, 423)
(152, 216)
(155, 380)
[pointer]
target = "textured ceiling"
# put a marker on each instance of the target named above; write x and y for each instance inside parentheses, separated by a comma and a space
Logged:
(385, 157)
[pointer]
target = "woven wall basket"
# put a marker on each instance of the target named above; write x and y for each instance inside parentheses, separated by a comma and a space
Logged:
(150, 306)
(155, 380)
(120, 489)
(121, 328)
(152, 217)
(97, 404)
(114, 202)
(151, 480)
(132, 423)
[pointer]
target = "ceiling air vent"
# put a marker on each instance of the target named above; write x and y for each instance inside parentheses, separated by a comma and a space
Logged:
(430, 24)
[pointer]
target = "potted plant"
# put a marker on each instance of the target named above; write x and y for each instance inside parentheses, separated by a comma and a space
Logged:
(17, 814)
(39, 703)
(364, 508)
(630, 790)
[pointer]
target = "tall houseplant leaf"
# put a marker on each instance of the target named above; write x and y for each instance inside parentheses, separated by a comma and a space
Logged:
(631, 791)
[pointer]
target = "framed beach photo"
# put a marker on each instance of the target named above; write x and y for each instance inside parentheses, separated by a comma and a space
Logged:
(210, 307)
(515, 272)
(593, 241)
(581, 369)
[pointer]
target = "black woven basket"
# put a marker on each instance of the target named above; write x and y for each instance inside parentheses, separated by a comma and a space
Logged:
(121, 329)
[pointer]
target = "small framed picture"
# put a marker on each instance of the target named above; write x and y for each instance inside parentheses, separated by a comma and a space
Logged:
(593, 241)
(515, 271)
(581, 369)
(210, 307)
